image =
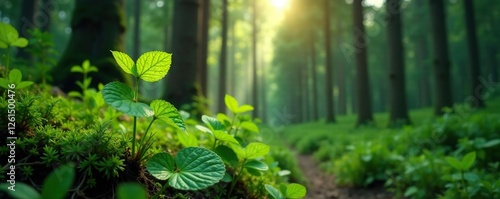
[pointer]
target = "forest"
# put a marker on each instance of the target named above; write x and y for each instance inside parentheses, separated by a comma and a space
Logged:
(277, 99)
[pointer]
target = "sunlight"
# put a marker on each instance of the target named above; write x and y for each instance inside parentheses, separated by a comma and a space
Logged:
(279, 4)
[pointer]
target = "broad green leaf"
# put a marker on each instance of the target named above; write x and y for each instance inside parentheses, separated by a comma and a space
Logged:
(231, 103)
(20, 42)
(195, 168)
(124, 61)
(244, 108)
(282, 188)
(76, 69)
(294, 190)
(224, 119)
(187, 139)
(204, 129)
(227, 154)
(153, 66)
(58, 183)
(255, 150)
(254, 172)
(15, 76)
(131, 191)
(454, 163)
(161, 166)
(8, 35)
(257, 165)
(275, 193)
(213, 123)
(121, 97)
(224, 136)
(4, 83)
(23, 84)
(165, 111)
(22, 191)
(468, 160)
(250, 126)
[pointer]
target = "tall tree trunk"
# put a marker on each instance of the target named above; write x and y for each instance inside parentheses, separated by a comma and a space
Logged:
(27, 21)
(364, 107)
(97, 27)
(203, 33)
(421, 55)
(473, 53)
(47, 9)
(255, 93)
(314, 77)
(330, 112)
(263, 89)
(221, 108)
(233, 83)
(441, 60)
(493, 63)
(398, 113)
(181, 80)
(341, 77)
(137, 26)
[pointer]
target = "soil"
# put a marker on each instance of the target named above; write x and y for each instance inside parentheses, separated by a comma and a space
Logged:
(322, 185)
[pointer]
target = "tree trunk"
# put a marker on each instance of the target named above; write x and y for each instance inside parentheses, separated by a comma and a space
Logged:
(314, 77)
(341, 77)
(137, 26)
(97, 27)
(330, 112)
(441, 60)
(203, 33)
(364, 108)
(398, 110)
(421, 55)
(221, 108)
(493, 63)
(46, 15)
(473, 53)
(27, 21)
(255, 93)
(181, 80)
(263, 89)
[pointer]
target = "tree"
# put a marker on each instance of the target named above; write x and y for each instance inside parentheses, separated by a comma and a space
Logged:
(137, 26)
(202, 64)
(473, 53)
(312, 55)
(26, 22)
(181, 80)
(221, 108)
(330, 116)
(398, 113)
(441, 60)
(364, 108)
(96, 28)
(255, 98)
(46, 15)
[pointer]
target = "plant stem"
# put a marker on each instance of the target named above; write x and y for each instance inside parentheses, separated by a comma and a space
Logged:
(136, 98)
(232, 122)
(147, 130)
(463, 184)
(235, 180)
(7, 60)
(133, 137)
(163, 188)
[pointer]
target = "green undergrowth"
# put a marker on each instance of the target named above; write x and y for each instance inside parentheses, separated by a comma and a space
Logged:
(410, 161)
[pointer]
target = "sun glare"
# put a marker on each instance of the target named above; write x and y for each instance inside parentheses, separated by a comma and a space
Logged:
(279, 4)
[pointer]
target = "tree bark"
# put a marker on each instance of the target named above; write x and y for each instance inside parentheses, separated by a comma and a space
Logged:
(46, 15)
(255, 98)
(97, 27)
(330, 112)
(473, 53)
(181, 79)
(221, 108)
(364, 107)
(398, 110)
(441, 59)
(137, 26)
(27, 21)
(314, 77)
(202, 64)
(421, 55)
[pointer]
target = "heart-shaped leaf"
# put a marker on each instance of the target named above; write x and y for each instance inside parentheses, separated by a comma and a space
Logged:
(275, 193)
(124, 61)
(58, 183)
(257, 165)
(212, 123)
(131, 191)
(231, 103)
(168, 113)
(153, 66)
(195, 168)
(294, 190)
(121, 97)
(250, 126)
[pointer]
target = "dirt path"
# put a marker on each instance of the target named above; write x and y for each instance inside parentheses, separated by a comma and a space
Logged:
(322, 185)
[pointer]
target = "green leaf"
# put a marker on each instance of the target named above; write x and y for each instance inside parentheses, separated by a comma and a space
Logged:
(227, 154)
(275, 193)
(153, 66)
(58, 183)
(187, 139)
(204, 129)
(255, 150)
(121, 97)
(225, 137)
(454, 163)
(124, 61)
(8, 35)
(23, 84)
(76, 69)
(227, 177)
(213, 123)
(224, 119)
(20, 42)
(166, 112)
(250, 126)
(294, 190)
(282, 188)
(131, 191)
(75, 94)
(231, 103)
(195, 168)
(244, 108)
(4, 83)
(15, 76)
(411, 191)
(468, 160)
(491, 143)
(22, 191)
(257, 165)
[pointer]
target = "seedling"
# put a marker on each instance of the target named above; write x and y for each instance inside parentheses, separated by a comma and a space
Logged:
(462, 166)
(14, 81)
(9, 37)
(291, 191)
(84, 69)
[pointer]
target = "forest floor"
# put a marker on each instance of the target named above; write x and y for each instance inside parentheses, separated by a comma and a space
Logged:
(322, 185)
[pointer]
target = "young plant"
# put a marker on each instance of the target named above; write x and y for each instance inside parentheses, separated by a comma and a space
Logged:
(9, 37)
(84, 69)
(463, 165)
(290, 191)
(150, 67)
(14, 81)
(42, 48)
